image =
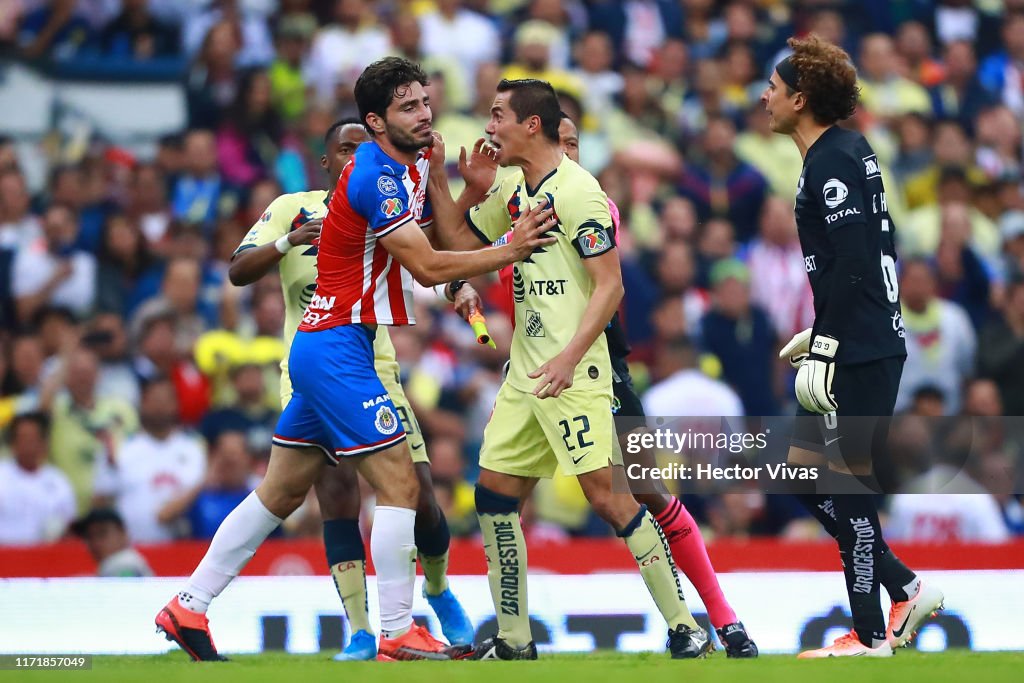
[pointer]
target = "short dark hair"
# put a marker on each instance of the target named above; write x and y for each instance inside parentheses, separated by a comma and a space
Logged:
(341, 123)
(534, 97)
(375, 89)
(36, 417)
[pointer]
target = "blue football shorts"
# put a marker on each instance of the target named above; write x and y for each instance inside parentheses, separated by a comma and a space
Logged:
(338, 403)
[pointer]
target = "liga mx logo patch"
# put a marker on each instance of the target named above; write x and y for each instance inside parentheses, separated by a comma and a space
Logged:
(595, 243)
(386, 422)
(391, 207)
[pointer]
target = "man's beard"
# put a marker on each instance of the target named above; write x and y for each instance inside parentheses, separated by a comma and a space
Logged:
(404, 141)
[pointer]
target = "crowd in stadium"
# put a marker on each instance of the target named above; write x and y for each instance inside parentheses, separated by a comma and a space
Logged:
(133, 374)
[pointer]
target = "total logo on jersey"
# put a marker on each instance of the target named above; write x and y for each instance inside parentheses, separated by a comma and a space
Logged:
(835, 192)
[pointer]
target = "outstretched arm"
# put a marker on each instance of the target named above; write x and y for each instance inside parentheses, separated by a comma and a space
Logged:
(411, 248)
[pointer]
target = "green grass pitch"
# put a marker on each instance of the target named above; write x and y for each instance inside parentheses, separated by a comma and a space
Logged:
(905, 667)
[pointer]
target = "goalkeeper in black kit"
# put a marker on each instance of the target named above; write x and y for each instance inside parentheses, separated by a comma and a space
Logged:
(849, 364)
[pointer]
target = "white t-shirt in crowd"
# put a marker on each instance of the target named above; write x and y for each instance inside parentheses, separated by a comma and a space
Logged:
(691, 393)
(147, 475)
(35, 507)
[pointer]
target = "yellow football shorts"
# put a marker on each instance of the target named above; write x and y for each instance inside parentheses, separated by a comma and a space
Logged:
(529, 437)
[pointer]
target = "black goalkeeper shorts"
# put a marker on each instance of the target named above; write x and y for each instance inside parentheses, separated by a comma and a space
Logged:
(857, 432)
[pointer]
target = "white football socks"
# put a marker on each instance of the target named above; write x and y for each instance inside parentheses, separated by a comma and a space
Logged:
(234, 544)
(393, 548)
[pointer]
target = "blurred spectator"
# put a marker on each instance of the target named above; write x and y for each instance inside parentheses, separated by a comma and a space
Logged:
(683, 390)
(25, 372)
(36, 500)
(637, 27)
(595, 56)
(677, 273)
(774, 156)
(1002, 350)
(18, 225)
(1003, 73)
(248, 414)
(883, 91)
(152, 468)
(158, 357)
(669, 77)
(1011, 230)
(741, 336)
(136, 34)
(212, 80)
(228, 480)
(406, 38)
(720, 185)
(179, 295)
(201, 195)
(941, 344)
(951, 149)
(914, 155)
(778, 279)
(534, 43)
(344, 48)
(117, 378)
(962, 276)
(104, 535)
(459, 35)
(968, 514)
(50, 270)
(999, 143)
(124, 260)
(921, 232)
(256, 47)
(70, 185)
(287, 85)
(742, 87)
(960, 94)
(914, 46)
(87, 425)
(253, 143)
(57, 30)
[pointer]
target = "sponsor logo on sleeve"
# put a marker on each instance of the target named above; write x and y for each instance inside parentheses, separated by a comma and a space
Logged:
(835, 192)
(387, 186)
(391, 207)
(594, 243)
(265, 217)
(871, 169)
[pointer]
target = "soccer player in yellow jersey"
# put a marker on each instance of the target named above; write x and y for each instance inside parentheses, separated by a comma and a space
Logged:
(554, 409)
(286, 236)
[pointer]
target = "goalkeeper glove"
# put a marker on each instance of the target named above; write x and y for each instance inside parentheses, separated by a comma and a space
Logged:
(798, 348)
(814, 378)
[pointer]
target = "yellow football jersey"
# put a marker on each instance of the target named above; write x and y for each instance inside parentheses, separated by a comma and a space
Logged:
(298, 268)
(551, 288)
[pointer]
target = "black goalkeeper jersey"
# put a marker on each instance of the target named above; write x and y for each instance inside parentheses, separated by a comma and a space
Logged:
(840, 188)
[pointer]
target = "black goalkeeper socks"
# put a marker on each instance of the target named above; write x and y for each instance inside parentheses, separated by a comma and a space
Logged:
(860, 543)
(892, 573)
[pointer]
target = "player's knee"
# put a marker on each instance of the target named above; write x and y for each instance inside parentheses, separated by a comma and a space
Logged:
(338, 495)
(280, 500)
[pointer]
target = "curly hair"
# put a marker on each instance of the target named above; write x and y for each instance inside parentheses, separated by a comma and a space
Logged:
(826, 77)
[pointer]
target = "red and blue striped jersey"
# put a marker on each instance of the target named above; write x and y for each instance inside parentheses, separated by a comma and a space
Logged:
(357, 280)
